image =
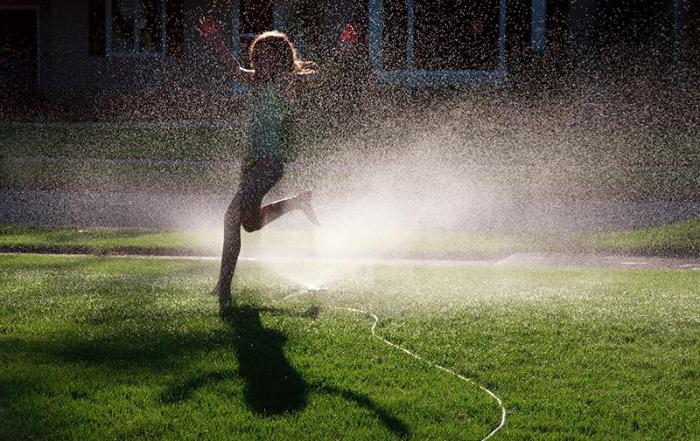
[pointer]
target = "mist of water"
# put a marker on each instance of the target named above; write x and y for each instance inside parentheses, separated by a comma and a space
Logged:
(475, 163)
(392, 167)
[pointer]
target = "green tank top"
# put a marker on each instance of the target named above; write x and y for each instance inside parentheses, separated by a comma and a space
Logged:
(268, 126)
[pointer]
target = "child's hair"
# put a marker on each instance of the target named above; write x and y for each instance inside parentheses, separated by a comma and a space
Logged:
(273, 48)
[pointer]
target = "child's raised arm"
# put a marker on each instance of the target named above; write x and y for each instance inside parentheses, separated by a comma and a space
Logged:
(319, 73)
(211, 31)
(348, 38)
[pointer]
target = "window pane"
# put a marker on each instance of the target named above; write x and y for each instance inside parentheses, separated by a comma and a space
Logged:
(693, 30)
(244, 56)
(150, 26)
(123, 15)
(456, 34)
(256, 16)
(394, 35)
(18, 50)
(315, 25)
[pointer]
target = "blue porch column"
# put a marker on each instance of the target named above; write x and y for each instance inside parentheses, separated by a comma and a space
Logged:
(538, 26)
(680, 14)
(582, 23)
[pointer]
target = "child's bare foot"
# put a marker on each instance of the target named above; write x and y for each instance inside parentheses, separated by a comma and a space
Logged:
(304, 200)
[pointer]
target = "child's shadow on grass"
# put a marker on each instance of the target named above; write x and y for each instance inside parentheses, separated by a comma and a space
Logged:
(272, 385)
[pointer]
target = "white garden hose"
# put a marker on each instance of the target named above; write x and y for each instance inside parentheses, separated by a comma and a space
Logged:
(375, 320)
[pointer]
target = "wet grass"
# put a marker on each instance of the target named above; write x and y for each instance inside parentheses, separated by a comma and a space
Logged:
(99, 240)
(653, 165)
(681, 238)
(678, 239)
(121, 177)
(123, 143)
(95, 348)
(219, 175)
(319, 137)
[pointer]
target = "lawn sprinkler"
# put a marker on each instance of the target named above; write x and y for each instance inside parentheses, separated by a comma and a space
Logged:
(304, 291)
(314, 290)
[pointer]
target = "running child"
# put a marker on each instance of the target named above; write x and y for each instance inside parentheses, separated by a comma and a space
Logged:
(275, 69)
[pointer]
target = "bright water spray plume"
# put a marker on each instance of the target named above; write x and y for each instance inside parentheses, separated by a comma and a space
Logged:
(403, 164)
(450, 164)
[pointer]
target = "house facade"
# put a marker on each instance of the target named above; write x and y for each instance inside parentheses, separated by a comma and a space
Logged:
(89, 46)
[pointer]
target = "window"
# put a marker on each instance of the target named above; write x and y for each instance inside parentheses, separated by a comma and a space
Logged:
(136, 28)
(454, 35)
(313, 25)
(19, 47)
(254, 17)
(423, 42)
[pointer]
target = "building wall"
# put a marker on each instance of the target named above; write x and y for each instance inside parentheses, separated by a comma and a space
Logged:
(69, 66)
(66, 64)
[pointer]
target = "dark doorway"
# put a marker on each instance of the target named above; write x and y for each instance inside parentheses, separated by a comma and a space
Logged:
(18, 49)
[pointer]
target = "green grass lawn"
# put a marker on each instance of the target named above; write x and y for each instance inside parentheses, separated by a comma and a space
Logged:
(682, 238)
(652, 147)
(211, 177)
(103, 348)
(122, 143)
(658, 166)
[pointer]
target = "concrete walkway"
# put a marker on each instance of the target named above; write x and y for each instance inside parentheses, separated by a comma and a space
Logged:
(518, 260)
(598, 261)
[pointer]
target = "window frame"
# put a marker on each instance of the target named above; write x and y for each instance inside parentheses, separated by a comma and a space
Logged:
(236, 35)
(279, 12)
(136, 52)
(411, 77)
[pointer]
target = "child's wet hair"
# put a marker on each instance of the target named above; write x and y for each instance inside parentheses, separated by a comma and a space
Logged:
(274, 50)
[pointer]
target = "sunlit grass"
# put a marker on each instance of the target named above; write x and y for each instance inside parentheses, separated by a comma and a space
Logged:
(95, 348)
(682, 238)
(119, 143)
(217, 176)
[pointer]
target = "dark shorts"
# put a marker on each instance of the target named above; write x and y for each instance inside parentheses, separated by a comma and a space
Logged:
(256, 181)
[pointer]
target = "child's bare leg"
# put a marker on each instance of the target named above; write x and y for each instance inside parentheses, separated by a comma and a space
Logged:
(231, 248)
(259, 218)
